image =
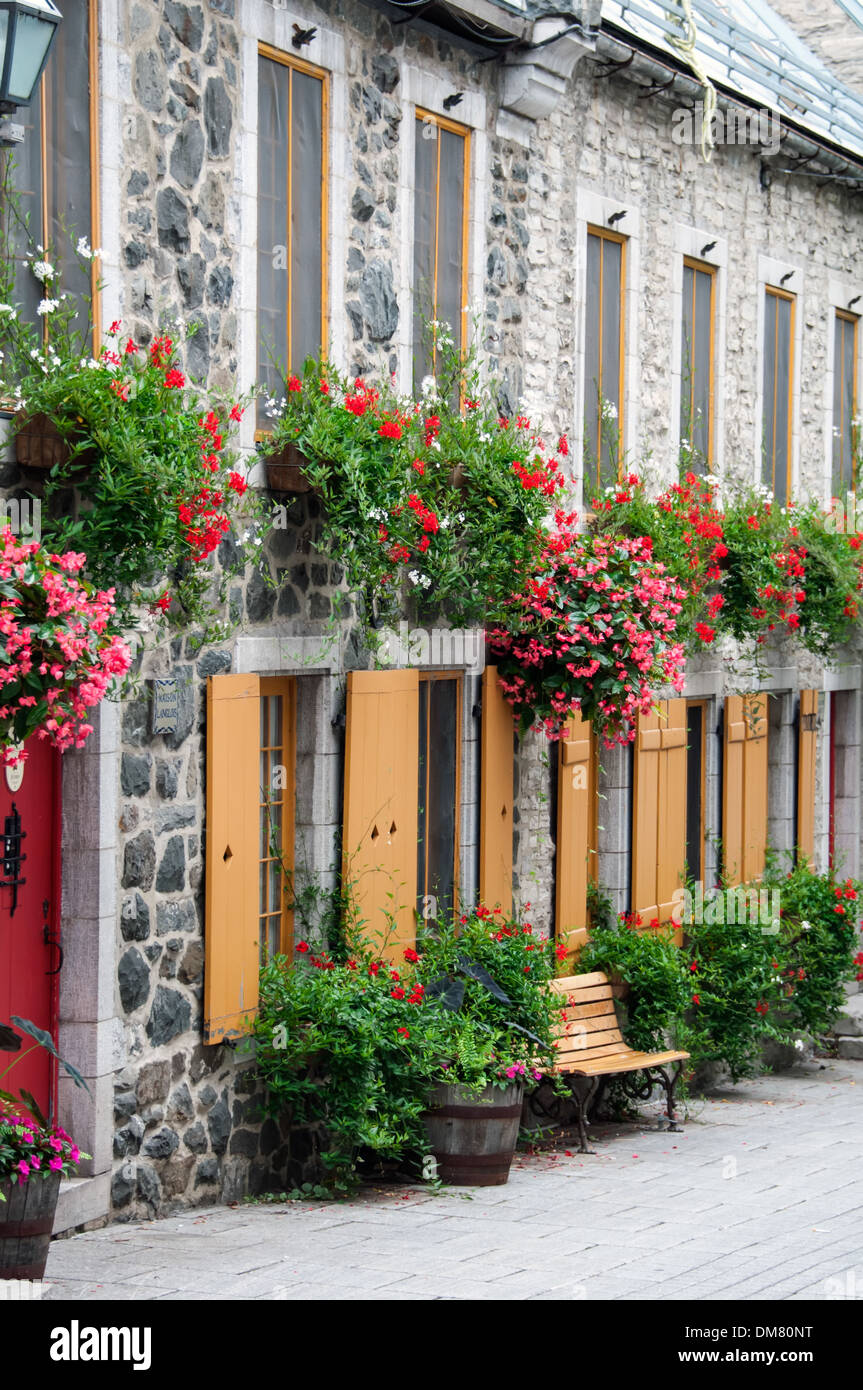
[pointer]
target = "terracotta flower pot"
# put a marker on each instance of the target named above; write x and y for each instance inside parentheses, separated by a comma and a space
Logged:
(26, 1223)
(286, 470)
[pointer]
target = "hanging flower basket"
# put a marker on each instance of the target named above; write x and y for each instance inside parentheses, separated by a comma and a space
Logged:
(286, 470)
(40, 445)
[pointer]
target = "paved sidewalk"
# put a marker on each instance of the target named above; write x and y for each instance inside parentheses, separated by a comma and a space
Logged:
(760, 1198)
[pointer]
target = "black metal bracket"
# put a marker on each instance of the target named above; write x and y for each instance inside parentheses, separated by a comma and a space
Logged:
(12, 856)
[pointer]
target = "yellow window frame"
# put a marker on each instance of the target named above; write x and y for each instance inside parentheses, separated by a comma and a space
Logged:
(286, 687)
(852, 322)
(705, 268)
(425, 117)
(777, 293)
(287, 60)
(429, 678)
(605, 234)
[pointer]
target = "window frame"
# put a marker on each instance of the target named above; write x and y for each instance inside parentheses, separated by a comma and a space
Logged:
(286, 687)
(424, 116)
(778, 293)
(847, 317)
(430, 678)
(705, 267)
(703, 705)
(621, 239)
(289, 60)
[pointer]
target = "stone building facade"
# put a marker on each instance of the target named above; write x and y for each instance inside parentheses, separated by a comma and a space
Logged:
(562, 139)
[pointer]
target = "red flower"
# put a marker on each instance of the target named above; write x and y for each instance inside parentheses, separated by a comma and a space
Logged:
(762, 1007)
(398, 992)
(294, 383)
(120, 388)
(163, 602)
(130, 347)
(706, 633)
(115, 327)
(752, 523)
(374, 967)
(563, 445)
(695, 999)
(693, 967)
(405, 1032)
(560, 952)
(410, 954)
(302, 947)
(390, 430)
(175, 379)
(236, 412)
(237, 483)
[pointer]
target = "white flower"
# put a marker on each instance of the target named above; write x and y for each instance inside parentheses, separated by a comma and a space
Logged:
(55, 361)
(799, 1044)
(419, 580)
(609, 410)
(47, 306)
(428, 387)
(806, 926)
(83, 247)
(43, 270)
(7, 309)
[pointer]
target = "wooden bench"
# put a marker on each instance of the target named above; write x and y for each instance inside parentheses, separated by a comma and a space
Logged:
(590, 1047)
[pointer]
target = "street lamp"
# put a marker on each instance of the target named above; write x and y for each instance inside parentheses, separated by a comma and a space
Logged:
(27, 29)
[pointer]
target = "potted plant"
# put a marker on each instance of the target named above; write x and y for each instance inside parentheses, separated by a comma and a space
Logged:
(35, 1155)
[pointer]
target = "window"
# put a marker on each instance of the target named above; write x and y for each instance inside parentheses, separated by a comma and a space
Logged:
(438, 794)
(55, 170)
(276, 816)
(696, 723)
(292, 206)
(441, 183)
(844, 402)
(696, 368)
(778, 386)
(603, 356)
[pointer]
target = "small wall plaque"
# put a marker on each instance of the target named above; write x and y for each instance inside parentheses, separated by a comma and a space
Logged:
(166, 705)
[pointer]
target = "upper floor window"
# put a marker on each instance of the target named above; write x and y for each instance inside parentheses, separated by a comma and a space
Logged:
(696, 367)
(292, 198)
(845, 431)
(54, 171)
(441, 209)
(778, 391)
(603, 356)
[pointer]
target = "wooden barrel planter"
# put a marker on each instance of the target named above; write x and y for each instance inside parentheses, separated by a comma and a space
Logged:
(472, 1135)
(26, 1222)
(286, 470)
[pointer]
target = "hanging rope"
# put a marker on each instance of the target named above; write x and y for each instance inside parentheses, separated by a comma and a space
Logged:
(686, 48)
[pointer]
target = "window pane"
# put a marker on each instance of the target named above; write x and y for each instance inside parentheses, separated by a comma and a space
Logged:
(308, 153)
(769, 388)
(612, 266)
(425, 201)
(591, 360)
(450, 292)
(275, 729)
(441, 809)
(783, 398)
(701, 368)
(422, 798)
(694, 775)
(844, 402)
(687, 355)
(849, 401)
(274, 81)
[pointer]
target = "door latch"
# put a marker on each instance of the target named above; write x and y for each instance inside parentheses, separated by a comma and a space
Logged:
(12, 856)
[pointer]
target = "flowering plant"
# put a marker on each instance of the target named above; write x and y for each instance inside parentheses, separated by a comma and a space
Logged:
(29, 1145)
(156, 484)
(353, 1043)
(441, 496)
(593, 628)
(60, 649)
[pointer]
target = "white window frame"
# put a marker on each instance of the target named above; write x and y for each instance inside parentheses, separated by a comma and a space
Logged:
(594, 210)
(261, 23)
(770, 275)
(428, 90)
(689, 242)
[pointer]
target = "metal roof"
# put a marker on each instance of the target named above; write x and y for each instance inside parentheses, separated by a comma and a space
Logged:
(749, 50)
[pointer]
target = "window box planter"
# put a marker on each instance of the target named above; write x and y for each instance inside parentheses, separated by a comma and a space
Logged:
(472, 1135)
(26, 1223)
(286, 470)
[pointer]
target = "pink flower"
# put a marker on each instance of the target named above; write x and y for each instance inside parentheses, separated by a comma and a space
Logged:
(56, 1163)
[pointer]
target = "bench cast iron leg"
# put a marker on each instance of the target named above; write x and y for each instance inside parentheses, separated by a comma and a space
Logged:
(669, 1083)
(582, 1101)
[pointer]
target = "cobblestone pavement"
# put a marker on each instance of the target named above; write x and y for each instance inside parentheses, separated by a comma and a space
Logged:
(760, 1198)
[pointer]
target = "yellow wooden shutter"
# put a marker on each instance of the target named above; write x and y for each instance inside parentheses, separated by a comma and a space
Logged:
(232, 939)
(755, 787)
(659, 816)
(379, 844)
(576, 803)
(744, 809)
(496, 795)
(645, 818)
(671, 818)
(806, 754)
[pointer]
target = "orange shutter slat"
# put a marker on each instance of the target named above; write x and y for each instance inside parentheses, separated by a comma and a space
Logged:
(379, 843)
(232, 939)
(576, 801)
(732, 789)
(497, 795)
(671, 817)
(807, 746)
(645, 824)
(755, 787)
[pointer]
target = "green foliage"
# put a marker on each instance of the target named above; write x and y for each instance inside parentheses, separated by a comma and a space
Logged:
(733, 987)
(355, 1047)
(818, 916)
(655, 970)
(422, 499)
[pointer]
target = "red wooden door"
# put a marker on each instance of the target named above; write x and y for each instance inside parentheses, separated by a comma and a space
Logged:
(30, 912)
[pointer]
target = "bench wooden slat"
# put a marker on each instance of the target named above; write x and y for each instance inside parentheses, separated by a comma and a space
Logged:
(568, 1056)
(598, 1006)
(587, 1025)
(567, 983)
(613, 1062)
(586, 1043)
(594, 995)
